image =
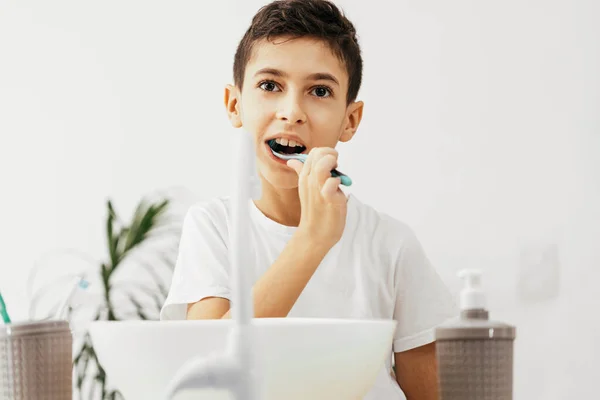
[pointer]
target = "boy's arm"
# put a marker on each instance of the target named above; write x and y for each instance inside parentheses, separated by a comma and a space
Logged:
(321, 225)
(276, 292)
(416, 372)
(423, 302)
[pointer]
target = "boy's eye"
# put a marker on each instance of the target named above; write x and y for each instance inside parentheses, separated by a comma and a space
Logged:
(322, 91)
(269, 86)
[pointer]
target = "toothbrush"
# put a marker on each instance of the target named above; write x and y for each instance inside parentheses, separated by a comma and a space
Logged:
(346, 181)
(3, 311)
(78, 283)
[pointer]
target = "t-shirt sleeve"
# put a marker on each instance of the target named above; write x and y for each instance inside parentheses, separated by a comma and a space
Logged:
(422, 299)
(202, 266)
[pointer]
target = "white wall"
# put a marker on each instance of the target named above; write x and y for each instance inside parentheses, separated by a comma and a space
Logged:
(481, 130)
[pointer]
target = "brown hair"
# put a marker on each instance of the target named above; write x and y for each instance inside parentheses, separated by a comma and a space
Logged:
(319, 19)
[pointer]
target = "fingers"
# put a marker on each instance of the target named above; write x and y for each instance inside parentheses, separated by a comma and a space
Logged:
(304, 169)
(314, 156)
(317, 169)
(322, 168)
(323, 161)
(330, 188)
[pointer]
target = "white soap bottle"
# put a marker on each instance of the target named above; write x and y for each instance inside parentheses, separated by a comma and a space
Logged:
(474, 354)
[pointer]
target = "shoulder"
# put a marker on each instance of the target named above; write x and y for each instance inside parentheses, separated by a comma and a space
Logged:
(391, 233)
(215, 209)
(393, 243)
(210, 215)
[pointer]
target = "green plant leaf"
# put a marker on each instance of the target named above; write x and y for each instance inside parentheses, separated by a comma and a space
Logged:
(164, 291)
(139, 308)
(120, 243)
(143, 222)
(111, 240)
(113, 395)
(121, 240)
(156, 298)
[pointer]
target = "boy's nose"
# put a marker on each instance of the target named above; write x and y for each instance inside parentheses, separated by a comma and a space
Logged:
(291, 111)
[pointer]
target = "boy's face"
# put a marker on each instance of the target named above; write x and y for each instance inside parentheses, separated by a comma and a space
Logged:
(294, 91)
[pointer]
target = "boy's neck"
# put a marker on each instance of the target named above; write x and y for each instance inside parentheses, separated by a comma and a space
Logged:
(280, 205)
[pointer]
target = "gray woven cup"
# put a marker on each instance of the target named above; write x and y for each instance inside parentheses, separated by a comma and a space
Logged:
(36, 361)
(475, 358)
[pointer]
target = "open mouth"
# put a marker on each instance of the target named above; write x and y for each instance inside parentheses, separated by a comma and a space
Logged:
(285, 146)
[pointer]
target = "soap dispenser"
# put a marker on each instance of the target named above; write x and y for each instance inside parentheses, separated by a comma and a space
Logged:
(474, 354)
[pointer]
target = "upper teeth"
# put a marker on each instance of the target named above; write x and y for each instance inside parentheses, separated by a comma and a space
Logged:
(286, 142)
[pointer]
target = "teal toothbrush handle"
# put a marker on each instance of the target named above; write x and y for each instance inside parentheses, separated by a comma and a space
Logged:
(346, 181)
(3, 312)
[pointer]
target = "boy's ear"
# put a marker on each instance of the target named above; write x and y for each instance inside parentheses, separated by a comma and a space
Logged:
(353, 118)
(232, 105)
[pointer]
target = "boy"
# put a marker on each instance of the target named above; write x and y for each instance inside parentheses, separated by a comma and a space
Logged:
(318, 252)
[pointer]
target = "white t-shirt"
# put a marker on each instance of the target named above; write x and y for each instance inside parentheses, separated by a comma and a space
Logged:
(378, 269)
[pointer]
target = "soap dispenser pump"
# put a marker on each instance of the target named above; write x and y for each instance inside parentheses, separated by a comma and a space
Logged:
(474, 354)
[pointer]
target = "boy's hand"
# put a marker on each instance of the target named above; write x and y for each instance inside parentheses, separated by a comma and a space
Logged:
(323, 204)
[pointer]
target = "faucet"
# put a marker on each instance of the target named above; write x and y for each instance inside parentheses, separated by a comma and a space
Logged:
(236, 369)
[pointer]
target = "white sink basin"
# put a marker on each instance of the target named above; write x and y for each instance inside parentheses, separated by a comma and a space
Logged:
(301, 358)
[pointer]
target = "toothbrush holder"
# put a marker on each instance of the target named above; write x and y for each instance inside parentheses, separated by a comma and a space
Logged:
(36, 361)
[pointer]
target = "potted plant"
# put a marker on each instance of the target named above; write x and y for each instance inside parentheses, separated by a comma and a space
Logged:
(131, 282)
